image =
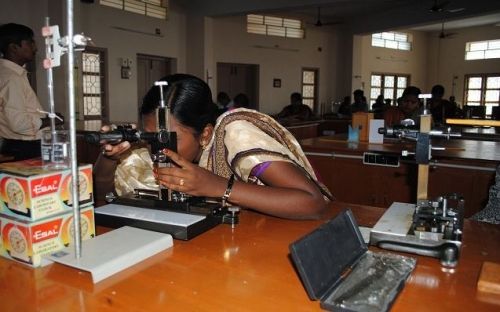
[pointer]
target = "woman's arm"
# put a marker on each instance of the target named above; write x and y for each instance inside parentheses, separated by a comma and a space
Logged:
(104, 176)
(288, 192)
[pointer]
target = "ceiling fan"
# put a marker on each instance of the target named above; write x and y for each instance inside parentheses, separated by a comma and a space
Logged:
(439, 7)
(443, 34)
(319, 23)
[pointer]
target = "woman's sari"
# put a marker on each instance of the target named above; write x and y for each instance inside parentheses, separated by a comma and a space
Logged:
(244, 139)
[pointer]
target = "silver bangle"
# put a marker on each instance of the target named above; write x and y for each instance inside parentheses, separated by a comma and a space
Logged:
(227, 193)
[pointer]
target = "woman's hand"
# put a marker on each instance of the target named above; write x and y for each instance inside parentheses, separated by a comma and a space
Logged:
(113, 151)
(189, 178)
(288, 193)
(105, 166)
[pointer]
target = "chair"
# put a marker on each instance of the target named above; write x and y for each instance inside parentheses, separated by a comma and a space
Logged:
(475, 111)
(495, 112)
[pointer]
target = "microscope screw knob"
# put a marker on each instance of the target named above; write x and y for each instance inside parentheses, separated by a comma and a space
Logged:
(159, 158)
(449, 255)
(110, 197)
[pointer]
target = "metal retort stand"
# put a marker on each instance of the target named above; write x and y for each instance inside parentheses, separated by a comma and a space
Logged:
(114, 251)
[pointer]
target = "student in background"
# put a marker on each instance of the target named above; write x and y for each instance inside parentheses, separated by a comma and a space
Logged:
(379, 107)
(345, 107)
(410, 108)
(359, 104)
(241, 101)
(223, 101)
(440, 108)
(379, 103)
(296, 109)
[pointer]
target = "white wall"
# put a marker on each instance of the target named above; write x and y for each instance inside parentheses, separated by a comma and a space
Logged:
(368, 60)
(198, 43)
(432, 60)
(31, 14)
(99, 21)
(447, 59)
(282, 58)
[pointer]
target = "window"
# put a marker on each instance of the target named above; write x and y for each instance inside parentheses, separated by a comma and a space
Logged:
(274, 26)
(93, 85)
(153, 8)
(392, 40)
(391, 86)
(482, 90)
(310, 87)
(480, 50)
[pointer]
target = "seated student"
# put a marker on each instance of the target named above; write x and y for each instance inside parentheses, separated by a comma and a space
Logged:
(359, 104)
(458, 112)
(223, 101)
(345, 107)
(296, 109)
(271, 173)
(241, 101)
(410, 108)
(379, 107)
(379, 103)
(441, 109)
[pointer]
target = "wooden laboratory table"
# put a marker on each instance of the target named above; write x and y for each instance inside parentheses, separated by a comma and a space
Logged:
(243, 269)
(466, 167)
(316, 127)
(304, 130)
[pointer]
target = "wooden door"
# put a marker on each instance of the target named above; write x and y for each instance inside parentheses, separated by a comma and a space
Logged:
(239, 78)
(150, 69)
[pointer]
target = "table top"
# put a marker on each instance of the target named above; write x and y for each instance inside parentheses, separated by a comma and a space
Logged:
(455, 149)
(242, 269)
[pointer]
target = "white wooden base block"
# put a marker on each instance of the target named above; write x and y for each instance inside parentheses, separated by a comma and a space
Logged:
(114, 251)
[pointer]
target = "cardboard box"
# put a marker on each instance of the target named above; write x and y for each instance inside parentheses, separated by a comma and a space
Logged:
(362, 121)
(27, 241)
(30, 192)
(489, 279)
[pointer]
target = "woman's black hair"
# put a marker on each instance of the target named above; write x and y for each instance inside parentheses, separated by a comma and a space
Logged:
(189, 99)
(13, 33)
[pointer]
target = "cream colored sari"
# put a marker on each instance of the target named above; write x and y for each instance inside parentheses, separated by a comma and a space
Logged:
(245, 138)
(135, 171)
(242, 140)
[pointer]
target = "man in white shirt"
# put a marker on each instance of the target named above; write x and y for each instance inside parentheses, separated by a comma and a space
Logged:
(20, 118)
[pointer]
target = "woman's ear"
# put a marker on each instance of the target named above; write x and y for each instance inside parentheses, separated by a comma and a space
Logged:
(206, 134)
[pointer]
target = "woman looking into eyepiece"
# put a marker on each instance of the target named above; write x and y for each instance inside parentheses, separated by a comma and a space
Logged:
(243, 156)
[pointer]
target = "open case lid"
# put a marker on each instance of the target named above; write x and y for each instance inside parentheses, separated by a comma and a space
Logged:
(323, 255)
